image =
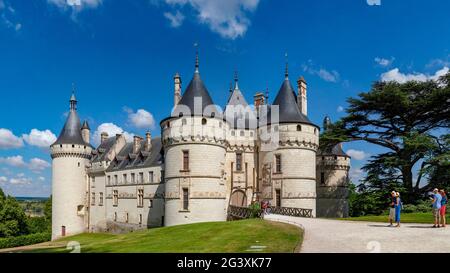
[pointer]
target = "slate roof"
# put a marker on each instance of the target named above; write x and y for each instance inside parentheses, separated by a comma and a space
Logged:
(71, 132)
(240, 117)
(125, 159)
(288, 108)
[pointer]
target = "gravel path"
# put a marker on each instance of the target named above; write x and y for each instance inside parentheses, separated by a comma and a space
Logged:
(335, 236)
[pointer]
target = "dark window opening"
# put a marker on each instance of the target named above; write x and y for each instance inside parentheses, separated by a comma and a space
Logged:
(278, 163)
(185, 199)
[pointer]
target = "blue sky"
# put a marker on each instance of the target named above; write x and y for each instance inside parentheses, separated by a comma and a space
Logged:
(122, 56)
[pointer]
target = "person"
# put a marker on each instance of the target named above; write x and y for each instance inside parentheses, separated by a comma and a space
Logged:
(444, 202)
(437, 199)
(392, 209)
(398, 208)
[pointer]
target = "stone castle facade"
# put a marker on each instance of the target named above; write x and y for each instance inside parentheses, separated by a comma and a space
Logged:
(205, 160)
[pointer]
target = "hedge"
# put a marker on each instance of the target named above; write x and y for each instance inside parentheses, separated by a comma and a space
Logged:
(23, 240)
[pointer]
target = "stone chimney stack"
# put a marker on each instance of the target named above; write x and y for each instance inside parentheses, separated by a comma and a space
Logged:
(103, 137)
(148, 142)
(177, 89)
(301, 97)
(85, 132)
(259, 99)
(136, 144)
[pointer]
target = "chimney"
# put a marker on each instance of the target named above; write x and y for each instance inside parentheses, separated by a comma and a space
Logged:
(177, 89)
(259, 99)
(301, 97)
(103, 137)
(136, 144)
(148, 142)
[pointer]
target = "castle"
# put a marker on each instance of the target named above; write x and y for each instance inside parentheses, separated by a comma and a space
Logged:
(205, 160)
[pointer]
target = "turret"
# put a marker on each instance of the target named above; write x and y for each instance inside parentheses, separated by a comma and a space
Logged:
(333, 166)
(70, 156)
(85, 131)
(294, 140)
(194, 146)
(177, 89)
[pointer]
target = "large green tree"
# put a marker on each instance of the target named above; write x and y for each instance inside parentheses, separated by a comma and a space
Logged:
(13, 221)
(411, 122)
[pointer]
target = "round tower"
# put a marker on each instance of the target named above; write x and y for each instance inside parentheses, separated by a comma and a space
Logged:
(194, 154)
(70, 156)
(333, 166)
(288, 165)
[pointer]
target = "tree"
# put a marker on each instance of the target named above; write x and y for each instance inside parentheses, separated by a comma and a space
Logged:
(13, 221)
(407, 119)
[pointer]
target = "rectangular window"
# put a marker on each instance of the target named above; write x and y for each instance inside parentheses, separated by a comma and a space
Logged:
(93, 181)
(115, 179)
(109, 180)
(322, 178)
(140, 198)
(186, 160)
(150, 203)
(150, 177)
(278, 163)
(126, 218)
(162, 177)
(115, 197)
(124, 181)
(278, 198)
(141, 177)
(140, 219)
(115, 216)
(133, 178)
(238, 162)
(100, 203)
(185, 199)
(93, 199)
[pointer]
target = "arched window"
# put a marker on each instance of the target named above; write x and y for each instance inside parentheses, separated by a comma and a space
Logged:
(299, 128)
(203, 121)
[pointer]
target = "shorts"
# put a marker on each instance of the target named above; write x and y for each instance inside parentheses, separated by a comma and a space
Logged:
(392, 213)
(436, 213)
(443, 210)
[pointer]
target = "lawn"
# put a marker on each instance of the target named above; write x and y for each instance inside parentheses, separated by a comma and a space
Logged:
(214, 237)
(420, 217)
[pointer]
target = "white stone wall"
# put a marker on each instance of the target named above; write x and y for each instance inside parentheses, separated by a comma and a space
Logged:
(297, 179)
(69, 187)
(205, 178)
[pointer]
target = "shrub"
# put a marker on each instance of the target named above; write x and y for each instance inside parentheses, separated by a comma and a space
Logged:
(255, 209)
(23, 240)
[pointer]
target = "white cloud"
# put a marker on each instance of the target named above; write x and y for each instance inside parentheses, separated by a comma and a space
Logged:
(228, 18)
(14, 161)
(39, 138)
(356, 154)
(20, 181)
(41, 178)
(8, 140)
(340, 109)
(356, 174)
(384, 62)
(176, 19)
(3, 179)
(37, 165)
(78, 4)
(324, 74)
(112, 130)
(140, 119)
(397, 76)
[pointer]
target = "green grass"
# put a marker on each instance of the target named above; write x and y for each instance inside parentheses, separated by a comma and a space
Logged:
(419, 217)
(214, 237)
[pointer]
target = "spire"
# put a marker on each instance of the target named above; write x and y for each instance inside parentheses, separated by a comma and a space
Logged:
(286, 71)
(326, 123)
(73, 100)
(236, 86)
(196, 58)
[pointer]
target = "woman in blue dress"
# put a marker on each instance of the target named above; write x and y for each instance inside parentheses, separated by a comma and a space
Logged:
(398, 208)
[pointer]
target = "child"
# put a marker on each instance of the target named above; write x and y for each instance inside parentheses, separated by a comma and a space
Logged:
(444, 202)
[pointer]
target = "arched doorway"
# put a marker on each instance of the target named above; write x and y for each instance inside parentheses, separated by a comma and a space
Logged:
(239, 199)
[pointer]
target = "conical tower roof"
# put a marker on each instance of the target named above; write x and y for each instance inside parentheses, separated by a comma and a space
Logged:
(71, 132)
(237, 111)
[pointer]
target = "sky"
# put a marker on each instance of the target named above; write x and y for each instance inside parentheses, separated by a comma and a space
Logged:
(121, 56)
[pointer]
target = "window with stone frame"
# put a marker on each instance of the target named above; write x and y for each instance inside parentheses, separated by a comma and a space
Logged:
(239, 161)
(150, 177)
(93, 199)
(140, 198)
(278, 163)
(185, 160)
(100, 202)
(133, 178)
(141, 177)
(115, 197)
(185, 199)
(124, 180)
